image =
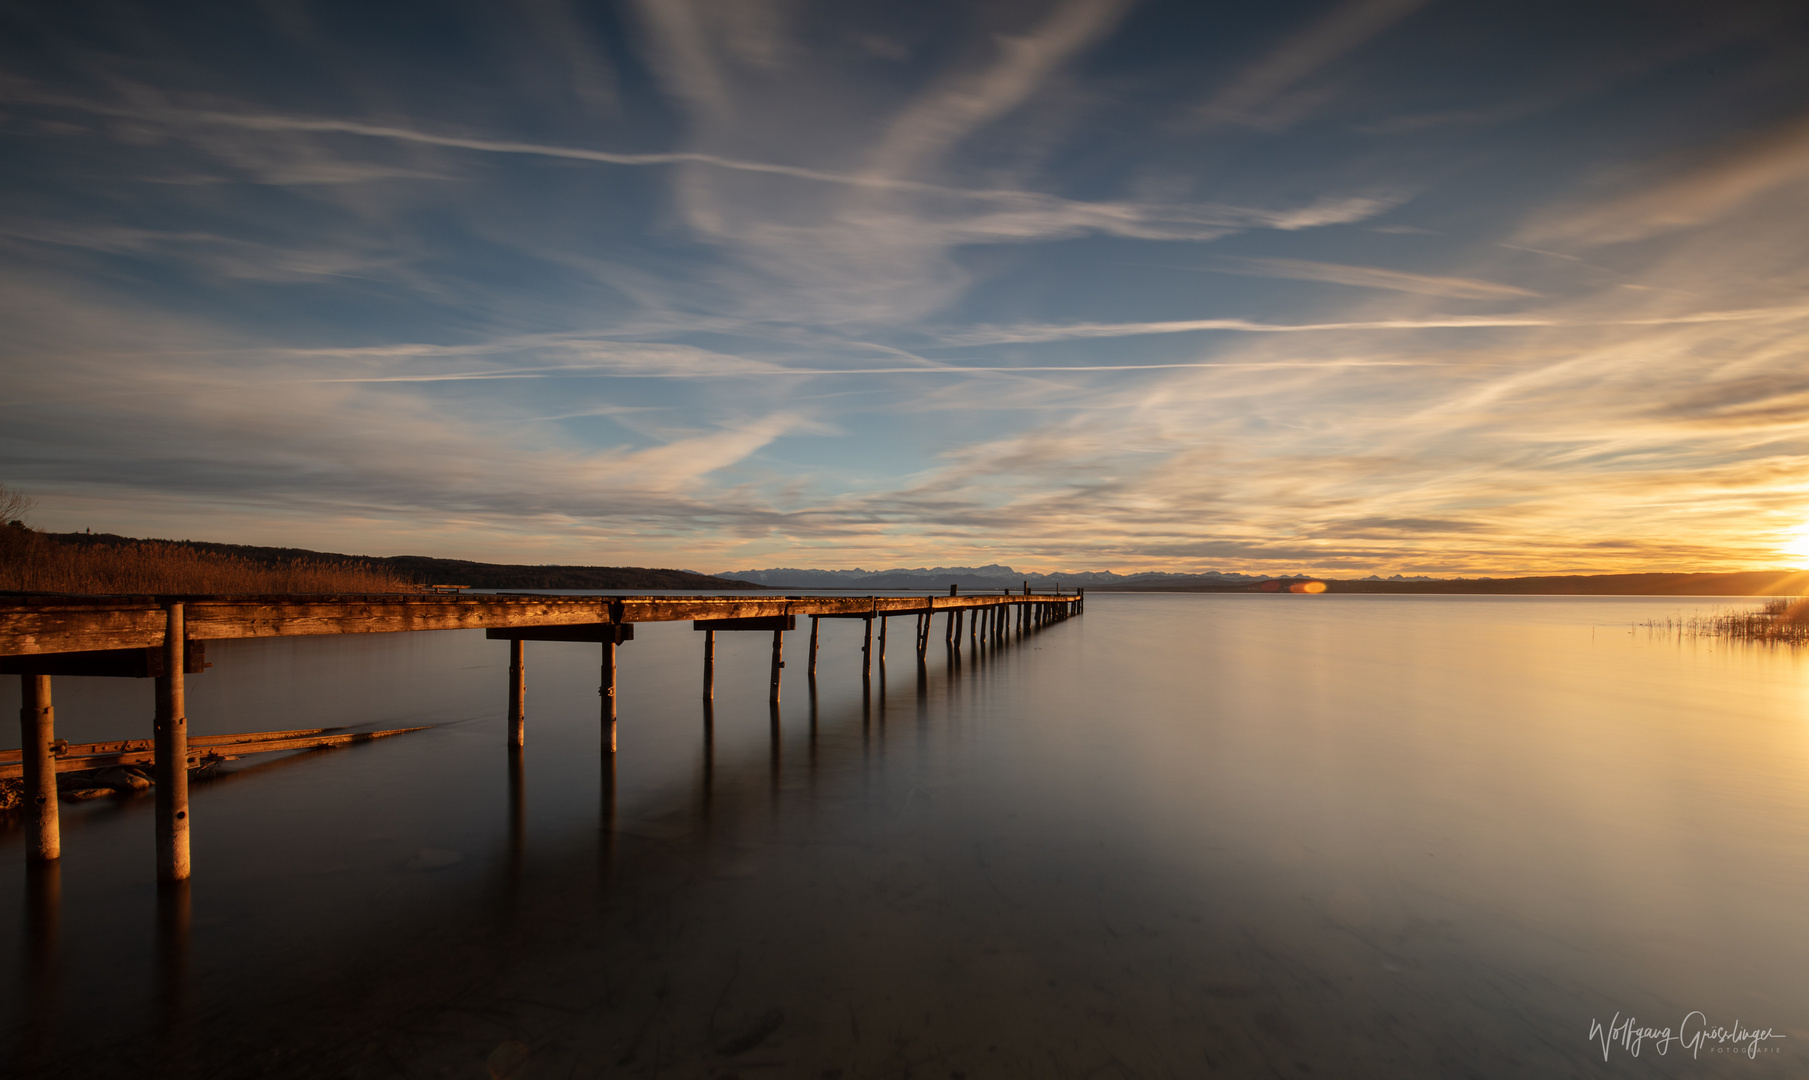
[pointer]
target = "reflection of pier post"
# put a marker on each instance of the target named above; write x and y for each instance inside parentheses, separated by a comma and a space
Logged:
(173, 921)
(518, 813)
(606, 814)
(43, 967)
(709, 755)
(774, 726)
(813, 722)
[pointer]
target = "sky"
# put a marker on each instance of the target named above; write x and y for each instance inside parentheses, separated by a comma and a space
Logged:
(1345, 287)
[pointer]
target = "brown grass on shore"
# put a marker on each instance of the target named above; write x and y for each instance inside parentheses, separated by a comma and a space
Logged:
(29, 562)
(1784, 621)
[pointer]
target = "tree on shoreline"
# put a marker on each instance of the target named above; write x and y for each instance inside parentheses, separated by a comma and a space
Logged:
(14, 505)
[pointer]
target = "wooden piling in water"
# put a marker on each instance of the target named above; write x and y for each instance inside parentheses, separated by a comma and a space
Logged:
(882, 644)
(811, 670)
(37, 734)
(867, 651)
(778, 662)
(171, 767)
(518, 692)
(709, 688)
(608, 693)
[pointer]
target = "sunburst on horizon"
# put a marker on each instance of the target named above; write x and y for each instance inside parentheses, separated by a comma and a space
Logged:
(1796, 543)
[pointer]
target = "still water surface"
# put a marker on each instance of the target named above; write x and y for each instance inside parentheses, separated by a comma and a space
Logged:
(1179, 835)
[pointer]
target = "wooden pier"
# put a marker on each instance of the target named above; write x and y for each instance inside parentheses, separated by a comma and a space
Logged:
(164, 638)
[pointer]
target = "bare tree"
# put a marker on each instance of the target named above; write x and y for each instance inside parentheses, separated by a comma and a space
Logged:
(14, 505)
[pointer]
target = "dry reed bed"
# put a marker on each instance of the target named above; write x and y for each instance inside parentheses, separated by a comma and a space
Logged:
(151, 567)
(1784, 621)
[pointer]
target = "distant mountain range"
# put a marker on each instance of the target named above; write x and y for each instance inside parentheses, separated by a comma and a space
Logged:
(938, 579)
(993, 576)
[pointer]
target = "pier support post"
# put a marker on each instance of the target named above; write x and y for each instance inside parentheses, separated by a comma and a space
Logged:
(171, 767)
(518, 691)
(882, 644)
(709, 689)
(37, 733)
(812, 668)
(778, 662)
(867, 651)
(948, 629)
(608, 693)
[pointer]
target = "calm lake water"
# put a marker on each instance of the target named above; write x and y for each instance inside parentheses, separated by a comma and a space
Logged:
(1179, 835)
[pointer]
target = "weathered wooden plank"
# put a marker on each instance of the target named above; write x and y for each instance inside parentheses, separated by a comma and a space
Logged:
(25, 631)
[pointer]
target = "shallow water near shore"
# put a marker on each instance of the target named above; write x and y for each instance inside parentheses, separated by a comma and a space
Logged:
(1177, 835)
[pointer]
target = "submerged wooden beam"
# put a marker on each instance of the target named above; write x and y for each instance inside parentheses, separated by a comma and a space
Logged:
(202, 749)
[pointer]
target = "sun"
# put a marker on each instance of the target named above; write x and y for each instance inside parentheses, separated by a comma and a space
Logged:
(1796, 542)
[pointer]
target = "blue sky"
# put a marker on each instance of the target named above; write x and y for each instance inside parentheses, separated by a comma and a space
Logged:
(1347, 287)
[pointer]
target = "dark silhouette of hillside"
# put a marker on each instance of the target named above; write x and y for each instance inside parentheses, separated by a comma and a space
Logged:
(425, 570)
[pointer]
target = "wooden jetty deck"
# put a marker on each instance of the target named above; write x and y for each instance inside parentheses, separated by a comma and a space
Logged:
(164, 638)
